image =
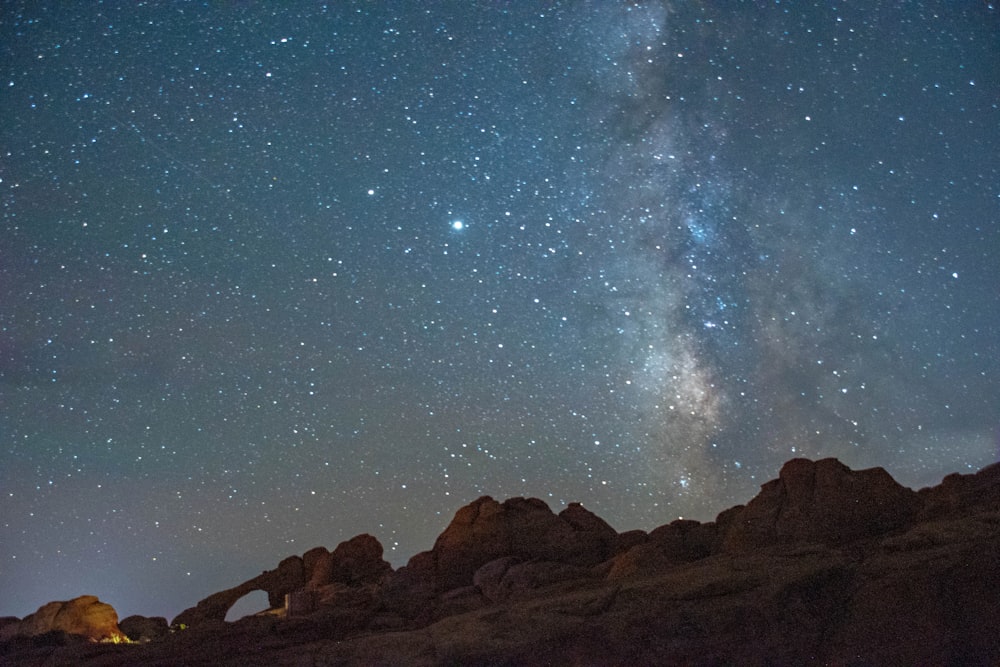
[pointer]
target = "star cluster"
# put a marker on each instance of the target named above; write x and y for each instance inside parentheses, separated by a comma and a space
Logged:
(276, 275)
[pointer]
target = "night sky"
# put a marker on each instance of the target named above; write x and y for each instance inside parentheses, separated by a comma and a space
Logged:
(275, 274)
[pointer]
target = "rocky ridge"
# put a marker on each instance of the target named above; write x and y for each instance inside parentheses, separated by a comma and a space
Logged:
(825, 565)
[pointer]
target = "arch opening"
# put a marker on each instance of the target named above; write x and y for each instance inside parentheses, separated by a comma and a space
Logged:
(248, 605)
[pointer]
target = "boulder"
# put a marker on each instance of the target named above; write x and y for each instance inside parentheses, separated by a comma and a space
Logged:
(593, 538)
(681, 541)
(144, 628)
(354, 561)
(489, 577)
(85, 616)
(524, 528)
(822, 501)
(357, 561)
(316, 563)
(523, 580)
(479, 532)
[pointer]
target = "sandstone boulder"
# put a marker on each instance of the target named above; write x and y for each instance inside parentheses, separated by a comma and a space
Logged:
(524, 528)
(358, 561)
(593, 539)
(85, 616)
(681, 541)
(354, 562)
(822, 501)
(524, 580)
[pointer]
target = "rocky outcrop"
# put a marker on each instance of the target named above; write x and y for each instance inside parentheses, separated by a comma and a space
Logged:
(354, 562)
(825, 566)
(681, 541)
(822, 501)
(523, 529)
(958, 495)
(85, 616)
(144, 628)
(289, 576)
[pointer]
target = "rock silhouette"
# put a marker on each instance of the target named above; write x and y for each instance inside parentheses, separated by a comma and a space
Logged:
(825, 565)
(144, 629)
(358, 560)
(823, 502)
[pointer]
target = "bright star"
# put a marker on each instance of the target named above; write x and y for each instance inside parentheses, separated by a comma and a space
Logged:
(458, 225)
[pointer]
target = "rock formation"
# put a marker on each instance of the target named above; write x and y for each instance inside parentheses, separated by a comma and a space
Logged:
(358, 560)
(823, 502)
(824, 566)
(354, 562)
(520, 529)
(143, 628)
(85, 616)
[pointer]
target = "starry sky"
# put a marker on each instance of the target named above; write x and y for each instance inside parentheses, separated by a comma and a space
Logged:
(276, 274)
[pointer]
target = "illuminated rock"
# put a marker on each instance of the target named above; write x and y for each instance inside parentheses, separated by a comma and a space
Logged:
(85, 616)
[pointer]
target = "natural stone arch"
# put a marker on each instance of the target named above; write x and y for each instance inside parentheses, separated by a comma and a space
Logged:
(287, 577)
(356, 562)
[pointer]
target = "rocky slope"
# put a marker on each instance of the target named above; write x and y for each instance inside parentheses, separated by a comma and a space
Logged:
(825, 566)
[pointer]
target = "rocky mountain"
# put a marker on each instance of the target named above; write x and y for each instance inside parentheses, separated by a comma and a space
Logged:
(824, 566)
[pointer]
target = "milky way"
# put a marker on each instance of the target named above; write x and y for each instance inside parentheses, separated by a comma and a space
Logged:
(276, 276)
